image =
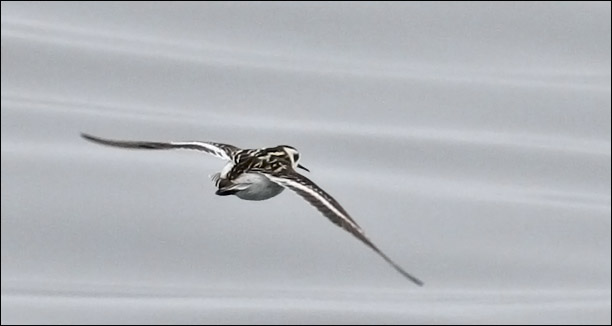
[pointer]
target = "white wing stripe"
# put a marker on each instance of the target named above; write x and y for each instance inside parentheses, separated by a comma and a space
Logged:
(214, 150)
(294, 184)
(223, 151)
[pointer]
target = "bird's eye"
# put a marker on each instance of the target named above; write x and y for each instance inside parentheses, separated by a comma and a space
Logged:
(296, 157)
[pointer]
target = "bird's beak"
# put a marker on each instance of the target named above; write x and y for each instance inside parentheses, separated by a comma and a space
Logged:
(302, 167)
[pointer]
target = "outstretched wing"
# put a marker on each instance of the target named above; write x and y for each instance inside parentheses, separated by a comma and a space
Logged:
(222, 151)
(330, 208)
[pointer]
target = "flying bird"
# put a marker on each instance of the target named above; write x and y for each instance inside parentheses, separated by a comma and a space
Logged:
(260, 174)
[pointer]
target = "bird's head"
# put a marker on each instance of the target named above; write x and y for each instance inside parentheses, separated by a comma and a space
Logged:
(294, 156)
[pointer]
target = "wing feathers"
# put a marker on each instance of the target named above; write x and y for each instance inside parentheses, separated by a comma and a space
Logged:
(331, 209)
(222, 151)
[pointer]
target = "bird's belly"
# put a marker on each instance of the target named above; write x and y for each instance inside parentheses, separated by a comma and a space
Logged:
(257, 187)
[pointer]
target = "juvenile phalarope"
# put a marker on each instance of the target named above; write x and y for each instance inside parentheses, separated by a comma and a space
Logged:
(259, 174)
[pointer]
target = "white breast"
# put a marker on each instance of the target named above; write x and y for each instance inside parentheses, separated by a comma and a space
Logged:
(257, 187)
(254, 186)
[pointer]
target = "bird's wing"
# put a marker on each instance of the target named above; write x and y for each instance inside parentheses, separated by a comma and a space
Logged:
(222, 151)
(330, 208)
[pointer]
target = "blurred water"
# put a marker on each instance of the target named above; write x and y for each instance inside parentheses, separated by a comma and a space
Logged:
(470, 141)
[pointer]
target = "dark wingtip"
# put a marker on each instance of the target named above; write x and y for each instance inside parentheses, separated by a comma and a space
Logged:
(397, 267)
(410, 277)
(93, 139)
(87, 136)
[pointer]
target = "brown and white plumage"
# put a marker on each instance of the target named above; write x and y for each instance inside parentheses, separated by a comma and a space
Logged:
(259, 174)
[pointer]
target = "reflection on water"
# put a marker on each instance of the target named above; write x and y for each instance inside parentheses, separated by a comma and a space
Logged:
(294, 305)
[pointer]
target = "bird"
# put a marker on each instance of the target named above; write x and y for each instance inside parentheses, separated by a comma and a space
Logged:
(260, 174)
